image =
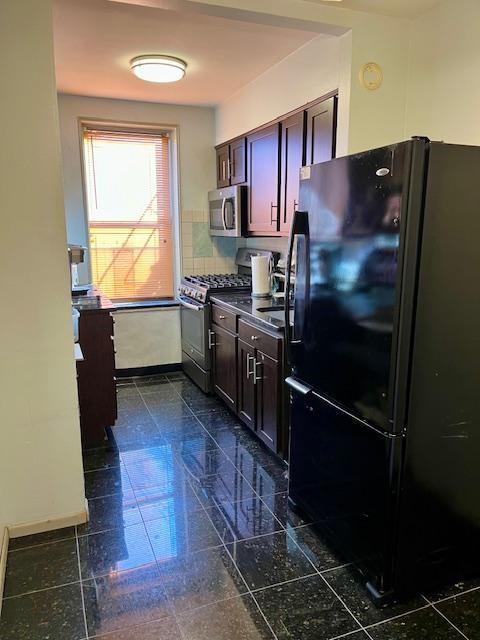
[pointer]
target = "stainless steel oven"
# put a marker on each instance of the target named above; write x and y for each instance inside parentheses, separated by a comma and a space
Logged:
(227, 211)
(195, 322)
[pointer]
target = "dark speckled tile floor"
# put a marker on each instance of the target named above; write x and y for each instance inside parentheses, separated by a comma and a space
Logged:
(191, 538)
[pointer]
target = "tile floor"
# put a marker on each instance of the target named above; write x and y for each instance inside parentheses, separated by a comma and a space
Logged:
(190, 538)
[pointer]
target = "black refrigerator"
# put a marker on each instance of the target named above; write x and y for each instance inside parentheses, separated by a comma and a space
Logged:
(384, 361)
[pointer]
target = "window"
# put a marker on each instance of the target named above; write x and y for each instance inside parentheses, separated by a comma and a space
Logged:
(127, 184)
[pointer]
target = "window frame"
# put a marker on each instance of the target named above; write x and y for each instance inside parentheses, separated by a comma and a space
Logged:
(138, 127)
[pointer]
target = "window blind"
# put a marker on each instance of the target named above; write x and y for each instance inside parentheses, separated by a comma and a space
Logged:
(127, 184)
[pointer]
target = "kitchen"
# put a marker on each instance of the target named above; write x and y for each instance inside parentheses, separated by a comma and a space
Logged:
(199, 519)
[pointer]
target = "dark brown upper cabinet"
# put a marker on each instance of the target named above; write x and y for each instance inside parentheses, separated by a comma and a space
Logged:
(263, 172)
(269, 159)
(231, 163)
(321, 125)
(223, 160)
(292, 158)
(238, 161)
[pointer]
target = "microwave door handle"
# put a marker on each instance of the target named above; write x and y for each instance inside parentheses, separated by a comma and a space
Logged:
(229, 216)
(299, 228)
(224, 202)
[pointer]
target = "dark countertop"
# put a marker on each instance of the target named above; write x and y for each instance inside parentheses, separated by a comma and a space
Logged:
(245, 305)
(93, 300)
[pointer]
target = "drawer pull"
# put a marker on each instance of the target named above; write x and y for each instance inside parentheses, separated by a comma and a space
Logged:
(256, 378)
(249, 373)
(222, 317)
(254, 337)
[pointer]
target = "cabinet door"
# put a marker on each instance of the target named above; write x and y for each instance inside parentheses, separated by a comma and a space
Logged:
(238, 161)
(321, 131)
(267, 377)
(223, 166)
(246, 387)
(225, 365)
(263, 170)
(292, 146)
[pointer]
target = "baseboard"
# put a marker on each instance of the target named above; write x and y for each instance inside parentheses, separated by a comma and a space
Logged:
(3, 562)
(148, 371)
(41, 526)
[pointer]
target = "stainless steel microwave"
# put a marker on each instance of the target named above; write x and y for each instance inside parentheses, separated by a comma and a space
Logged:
(227, 211)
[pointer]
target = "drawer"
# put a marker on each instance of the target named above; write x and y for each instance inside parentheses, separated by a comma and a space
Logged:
(224, 318)
(265, 342)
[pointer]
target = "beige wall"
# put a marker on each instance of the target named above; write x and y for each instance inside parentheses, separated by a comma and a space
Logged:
(40, 454)
(146, 338)
(308, 73)
(444, 85)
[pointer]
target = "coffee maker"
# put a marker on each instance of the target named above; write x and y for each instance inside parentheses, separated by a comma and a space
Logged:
(76, 255)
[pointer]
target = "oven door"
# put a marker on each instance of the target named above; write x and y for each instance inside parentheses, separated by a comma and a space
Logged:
(194, 318)
(225, 211)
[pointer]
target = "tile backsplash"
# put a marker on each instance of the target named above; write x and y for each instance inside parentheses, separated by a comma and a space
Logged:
(202, 253)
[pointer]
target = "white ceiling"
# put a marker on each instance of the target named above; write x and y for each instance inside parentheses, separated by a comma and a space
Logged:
(398, 8)
(95, 39)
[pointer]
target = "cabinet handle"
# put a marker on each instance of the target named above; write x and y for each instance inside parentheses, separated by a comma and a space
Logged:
(255, 377)
(224, 172)
(272, 207)
(211, 344)
(254, 338)
(222, 317)
(249, 373)
(229, 169)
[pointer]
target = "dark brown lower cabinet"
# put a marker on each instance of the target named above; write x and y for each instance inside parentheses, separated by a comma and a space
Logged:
(97, 393)
(224, 354)
(246, 386)
(267, 392)
(250, 380)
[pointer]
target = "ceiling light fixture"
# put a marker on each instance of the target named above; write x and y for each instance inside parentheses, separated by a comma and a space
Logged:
(158, 68)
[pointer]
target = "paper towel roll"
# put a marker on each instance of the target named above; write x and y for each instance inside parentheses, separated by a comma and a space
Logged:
(260, 276)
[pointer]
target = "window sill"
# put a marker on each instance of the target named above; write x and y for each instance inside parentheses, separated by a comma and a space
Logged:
(144, 304)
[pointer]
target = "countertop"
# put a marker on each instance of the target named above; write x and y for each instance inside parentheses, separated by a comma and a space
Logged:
(249, 307)
(93, 300)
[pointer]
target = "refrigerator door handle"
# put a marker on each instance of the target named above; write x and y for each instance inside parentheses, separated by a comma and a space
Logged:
(299, 228)
(298, 386)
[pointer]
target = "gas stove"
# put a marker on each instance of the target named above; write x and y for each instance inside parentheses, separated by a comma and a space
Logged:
(199, 287)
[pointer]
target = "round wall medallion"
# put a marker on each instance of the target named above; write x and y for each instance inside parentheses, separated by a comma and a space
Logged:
(371, 76)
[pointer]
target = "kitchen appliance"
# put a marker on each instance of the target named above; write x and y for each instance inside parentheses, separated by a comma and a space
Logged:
(76, 255)
(384, 356)
(228, 211)
(194, 297)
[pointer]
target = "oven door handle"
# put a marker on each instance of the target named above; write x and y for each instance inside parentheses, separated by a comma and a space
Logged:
(224, 202)
(189, 305)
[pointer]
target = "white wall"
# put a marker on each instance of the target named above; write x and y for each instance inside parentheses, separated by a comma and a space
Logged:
(147, 338)
(306, 74)
(40, 453)
(444, 84)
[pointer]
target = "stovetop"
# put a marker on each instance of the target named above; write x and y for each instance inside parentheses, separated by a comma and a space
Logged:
(199, 287)
(215, 281)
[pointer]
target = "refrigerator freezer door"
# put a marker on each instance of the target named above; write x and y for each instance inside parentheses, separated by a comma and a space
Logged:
(347, 281)
(343, 474)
